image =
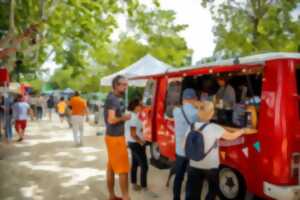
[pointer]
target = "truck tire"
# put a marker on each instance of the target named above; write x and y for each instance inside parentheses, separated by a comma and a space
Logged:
(231, 184)
(157, 160)
(155, 152)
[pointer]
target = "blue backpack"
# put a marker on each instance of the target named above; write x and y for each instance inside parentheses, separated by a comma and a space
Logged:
(194, 145)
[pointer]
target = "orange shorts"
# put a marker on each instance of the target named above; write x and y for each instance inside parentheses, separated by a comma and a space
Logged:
(117, 154)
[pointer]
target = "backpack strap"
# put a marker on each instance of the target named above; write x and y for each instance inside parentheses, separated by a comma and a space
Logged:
(185, 117)
(211, 148)
(215, 143)
(203, 127)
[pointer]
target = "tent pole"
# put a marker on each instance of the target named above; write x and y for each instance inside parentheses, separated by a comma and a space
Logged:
(126, 98)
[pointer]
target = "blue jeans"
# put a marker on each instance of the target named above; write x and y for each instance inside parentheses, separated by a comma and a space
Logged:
(139, 159)
(39, 111)
(181, 165)
(8, 128)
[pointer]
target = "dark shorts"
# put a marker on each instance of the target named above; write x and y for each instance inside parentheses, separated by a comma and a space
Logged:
(61, 114)
(20, 125)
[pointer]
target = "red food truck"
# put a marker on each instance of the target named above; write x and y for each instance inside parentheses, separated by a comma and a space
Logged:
(266, 163)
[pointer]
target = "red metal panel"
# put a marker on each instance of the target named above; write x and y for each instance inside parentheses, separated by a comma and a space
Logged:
(4, 76)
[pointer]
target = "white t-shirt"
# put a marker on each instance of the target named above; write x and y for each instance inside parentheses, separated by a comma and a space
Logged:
(211, 133)
(20, 110)
(133, 122)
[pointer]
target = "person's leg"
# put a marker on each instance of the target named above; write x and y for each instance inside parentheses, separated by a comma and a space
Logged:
(181, 164)
(75, 129)
(50, 113)
(212, 177)
(23, 128)
(8, 129)
(18, 130)
(194, 184)
(123, 178)
(40, 112)
(134, 164)
(81, 129)
(144, 165)
(110, 181)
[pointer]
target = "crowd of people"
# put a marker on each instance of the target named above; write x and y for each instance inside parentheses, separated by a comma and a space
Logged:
(17, 110)
(124, 130)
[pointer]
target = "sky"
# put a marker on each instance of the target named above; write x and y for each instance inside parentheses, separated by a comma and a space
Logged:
(198, 35)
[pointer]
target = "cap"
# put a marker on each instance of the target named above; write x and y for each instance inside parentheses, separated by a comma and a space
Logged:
(189, 93)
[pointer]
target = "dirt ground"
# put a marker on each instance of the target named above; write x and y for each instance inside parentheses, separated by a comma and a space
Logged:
(48, 166)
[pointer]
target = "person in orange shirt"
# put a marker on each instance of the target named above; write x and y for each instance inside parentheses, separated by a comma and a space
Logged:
(78, 111)
(61, 109)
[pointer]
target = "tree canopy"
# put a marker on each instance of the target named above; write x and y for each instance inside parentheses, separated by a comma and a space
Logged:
(78, 35)
(244, 27)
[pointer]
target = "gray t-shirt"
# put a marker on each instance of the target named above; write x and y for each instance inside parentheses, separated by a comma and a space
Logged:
(227, 94)
(115, 103)
(211, 133)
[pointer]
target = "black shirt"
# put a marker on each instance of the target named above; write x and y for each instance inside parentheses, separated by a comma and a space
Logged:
(115, 103)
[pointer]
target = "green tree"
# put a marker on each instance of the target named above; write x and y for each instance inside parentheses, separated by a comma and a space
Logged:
(78, 35)
(244, 27)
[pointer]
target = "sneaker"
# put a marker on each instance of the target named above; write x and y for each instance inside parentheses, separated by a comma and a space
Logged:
(136, 187)
(150, 193)
(20, 140)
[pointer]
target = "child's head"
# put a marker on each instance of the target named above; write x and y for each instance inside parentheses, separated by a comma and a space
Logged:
(135, 105)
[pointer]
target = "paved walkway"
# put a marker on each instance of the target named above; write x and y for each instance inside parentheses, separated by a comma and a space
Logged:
(48, 166)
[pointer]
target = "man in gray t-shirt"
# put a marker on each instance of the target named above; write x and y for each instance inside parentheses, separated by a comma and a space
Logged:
(226, 93)
(115, 117)
(115, 103)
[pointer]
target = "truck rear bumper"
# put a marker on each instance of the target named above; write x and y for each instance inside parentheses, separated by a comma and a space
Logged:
(282, 192)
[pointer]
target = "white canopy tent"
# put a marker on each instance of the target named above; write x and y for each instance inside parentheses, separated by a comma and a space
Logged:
(148, 65)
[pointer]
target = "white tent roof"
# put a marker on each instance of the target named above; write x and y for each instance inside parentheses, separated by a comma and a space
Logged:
(148, 65)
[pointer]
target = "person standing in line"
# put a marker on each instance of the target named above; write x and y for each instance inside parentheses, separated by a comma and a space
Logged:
(181, 114)
(137, 146)
(61, 109)
(78, 111)
(39, 107)
(208, 168)
(115, 118)
(50, 106)
(21, 110)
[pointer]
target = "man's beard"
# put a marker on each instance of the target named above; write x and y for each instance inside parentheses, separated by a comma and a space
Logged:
(121, 93)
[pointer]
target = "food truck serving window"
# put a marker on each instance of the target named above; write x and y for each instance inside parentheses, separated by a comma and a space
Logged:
(149, 93)
(173, 96)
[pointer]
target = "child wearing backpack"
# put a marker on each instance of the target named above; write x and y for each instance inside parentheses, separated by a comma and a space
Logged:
(205, 166)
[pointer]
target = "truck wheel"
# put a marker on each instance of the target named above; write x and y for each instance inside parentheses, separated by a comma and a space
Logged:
(231, 184)
(155, 152)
